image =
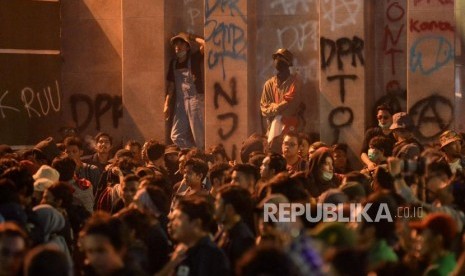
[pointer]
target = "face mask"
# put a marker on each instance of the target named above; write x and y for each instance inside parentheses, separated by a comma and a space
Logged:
(372, 155)
(327, 176)
(181, 54)
(454, 167)
(281, 65)
(384, 126)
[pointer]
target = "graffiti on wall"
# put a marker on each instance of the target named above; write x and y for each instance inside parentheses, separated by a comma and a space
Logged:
(340, 13)
(431, 55)
(95, 108)
(227, 38)
(441, 2)
(194, 14)
(230, 119)
(35, 103)
(394, 51)
(296, 36)
(436, 46)
(340, 48)
(291, 7)
(432, 116)
(334, 53)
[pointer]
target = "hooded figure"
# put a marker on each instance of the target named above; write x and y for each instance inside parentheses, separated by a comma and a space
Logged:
(321, 176)
(52, 222)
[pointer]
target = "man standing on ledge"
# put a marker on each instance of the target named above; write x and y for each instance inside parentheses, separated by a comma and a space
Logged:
(185, 92)
(281, 102)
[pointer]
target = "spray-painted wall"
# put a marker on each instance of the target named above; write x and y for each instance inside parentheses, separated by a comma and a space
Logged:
(430, 64)
(92, 66)
(292, 25)
(115, 54)
(31, 99)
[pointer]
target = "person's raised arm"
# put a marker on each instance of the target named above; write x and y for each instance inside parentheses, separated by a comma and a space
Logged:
(199, 41)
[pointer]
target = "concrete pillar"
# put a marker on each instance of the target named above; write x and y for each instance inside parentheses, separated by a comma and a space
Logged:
(390, 40)
(92, 72)
(460, 65)
(292, 25)
(227, 75)
(143, 69)
(430, 78)
(342, 80)
(181, 16)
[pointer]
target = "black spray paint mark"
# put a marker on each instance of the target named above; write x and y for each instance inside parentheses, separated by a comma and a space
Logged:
(432, 110)
(234, 122)
(232, 100)
(102, 104)
(342, 88)
(336, 123)
(340, 48)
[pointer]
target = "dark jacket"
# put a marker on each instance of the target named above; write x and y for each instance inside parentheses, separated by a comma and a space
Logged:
(315, 184)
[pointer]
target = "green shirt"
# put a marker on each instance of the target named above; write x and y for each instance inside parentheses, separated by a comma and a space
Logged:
(381, 253)
(442, 266)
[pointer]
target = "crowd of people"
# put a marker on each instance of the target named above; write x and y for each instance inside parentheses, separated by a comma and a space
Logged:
(156, 209)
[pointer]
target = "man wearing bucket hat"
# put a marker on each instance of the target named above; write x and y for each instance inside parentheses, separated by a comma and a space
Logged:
(281, 101)
(184, 103)
(451, 145)
(406, 145)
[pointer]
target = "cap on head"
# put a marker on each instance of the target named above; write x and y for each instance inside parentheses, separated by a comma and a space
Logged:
(401, 120)
(285, 54)
(181, 36)
(48, 148)
(439, 224)
(449, 136)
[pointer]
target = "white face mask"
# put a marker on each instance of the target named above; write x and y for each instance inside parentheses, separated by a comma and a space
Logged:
(181, 54)
(372, 155)
(384, 126)
(327, 176)
(454, 167)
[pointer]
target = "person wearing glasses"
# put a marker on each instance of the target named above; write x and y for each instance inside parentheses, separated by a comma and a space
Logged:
(384, 117)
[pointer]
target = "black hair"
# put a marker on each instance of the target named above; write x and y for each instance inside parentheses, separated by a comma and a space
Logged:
(239, 198)
(277, 163)
(217, 171)
(248, 170)
(219, 149)
(384, 107)
(62, 191)
(381, 143)
(65, 166)
(198, 166)
(155, 150)
(103, 134)
(103, 224)
(131, 177)
(159, 198)
(8, 192)
(340, 146)
(266, 260)
(46, 260)
(296, 135)
(197, 208)
(73, 141)
(22, 179)
(439, 167)
(132, 143)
